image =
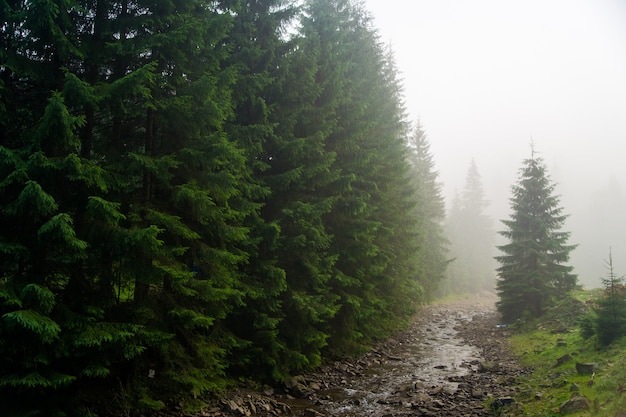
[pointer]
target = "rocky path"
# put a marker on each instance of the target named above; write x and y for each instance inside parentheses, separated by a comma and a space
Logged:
(453, 361)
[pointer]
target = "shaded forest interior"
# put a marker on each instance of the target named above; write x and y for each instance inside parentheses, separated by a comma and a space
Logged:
(197, 192)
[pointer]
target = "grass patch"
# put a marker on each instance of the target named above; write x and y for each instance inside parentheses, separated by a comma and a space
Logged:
(550, 347)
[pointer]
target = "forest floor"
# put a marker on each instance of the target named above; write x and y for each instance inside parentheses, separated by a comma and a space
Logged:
(454, 360)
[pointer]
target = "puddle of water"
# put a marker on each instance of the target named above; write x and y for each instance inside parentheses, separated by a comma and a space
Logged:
(434, 356)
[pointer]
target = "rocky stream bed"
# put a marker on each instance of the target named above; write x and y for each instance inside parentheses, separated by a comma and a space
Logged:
(453, 361)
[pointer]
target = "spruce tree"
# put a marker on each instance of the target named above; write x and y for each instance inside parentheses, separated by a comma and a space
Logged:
(261, 126)
(610, 319)
(430, 210)
(469, 230)
(533, 273)
(122, 203)
(300, 167)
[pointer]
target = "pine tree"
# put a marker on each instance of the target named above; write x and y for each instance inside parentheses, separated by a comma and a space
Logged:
(533, 273)
(471, 238)
(371, 219)
(262, 126)
(432, 242)
(610, 319)
(300, 167)
(119, 183)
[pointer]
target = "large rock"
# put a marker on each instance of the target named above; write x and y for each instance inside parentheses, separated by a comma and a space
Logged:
(575, 404)
(563, 359)
(586, 368)
(498, 404)
(296, 385)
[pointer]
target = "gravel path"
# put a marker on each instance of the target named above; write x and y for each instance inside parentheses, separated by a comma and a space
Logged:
(404, 376)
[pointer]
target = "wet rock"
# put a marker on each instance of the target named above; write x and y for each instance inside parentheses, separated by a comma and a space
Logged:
(463, 386)
(439, 404)
(436, 390)
(425, 412)
(237, 409)
(418, 385)
(421, 398)
(297, 386)
(488, 366)
(314, 386)
(394, 357)
(406, 387)
(575, 404)
(478, 393)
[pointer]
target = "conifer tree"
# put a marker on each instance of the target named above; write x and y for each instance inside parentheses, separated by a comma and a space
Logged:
(471, 238)
(263, 55)
(430, 210)
(116, 168)
(372, 223)
(299, 168)
(610, 319)
(533, 273)
(190, 191)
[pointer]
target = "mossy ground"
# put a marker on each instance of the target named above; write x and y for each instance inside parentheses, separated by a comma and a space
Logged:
(551, 347)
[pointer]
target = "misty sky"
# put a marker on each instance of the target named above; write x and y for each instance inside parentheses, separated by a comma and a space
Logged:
(485, 77)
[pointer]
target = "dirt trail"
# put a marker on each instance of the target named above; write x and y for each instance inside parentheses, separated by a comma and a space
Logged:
(453, 361)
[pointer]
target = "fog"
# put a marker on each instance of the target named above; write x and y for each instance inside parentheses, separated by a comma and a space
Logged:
(487, 77)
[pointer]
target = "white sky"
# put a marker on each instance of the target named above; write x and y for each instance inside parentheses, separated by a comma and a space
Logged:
(484, 77)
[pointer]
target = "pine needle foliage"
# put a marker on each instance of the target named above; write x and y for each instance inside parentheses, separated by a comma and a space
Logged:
(533, 273)
(196, 192)
(610, 313)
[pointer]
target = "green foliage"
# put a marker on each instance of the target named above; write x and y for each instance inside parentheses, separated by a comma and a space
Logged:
(32, 201)
(43, 327)
(587, 326)
(533, 273)
(430, 212)
(610, 313)
(542, 342)
(56, 132)
(202, 191)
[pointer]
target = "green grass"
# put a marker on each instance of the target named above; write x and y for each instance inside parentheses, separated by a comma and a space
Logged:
(540, 344)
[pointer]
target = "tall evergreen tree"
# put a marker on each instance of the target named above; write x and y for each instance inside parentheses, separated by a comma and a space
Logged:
(299, 174)
(432, 242)
(471, 238)
(123, 200)
(372, 194)
(190, 192)
(263, 54)
(533, 273)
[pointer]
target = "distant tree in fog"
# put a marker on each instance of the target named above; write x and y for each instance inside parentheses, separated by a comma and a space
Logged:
(430, 212)
(532, 273)
(471, 238)
(596, 225)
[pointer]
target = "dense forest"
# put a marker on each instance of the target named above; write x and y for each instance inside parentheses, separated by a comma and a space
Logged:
(195, 192)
